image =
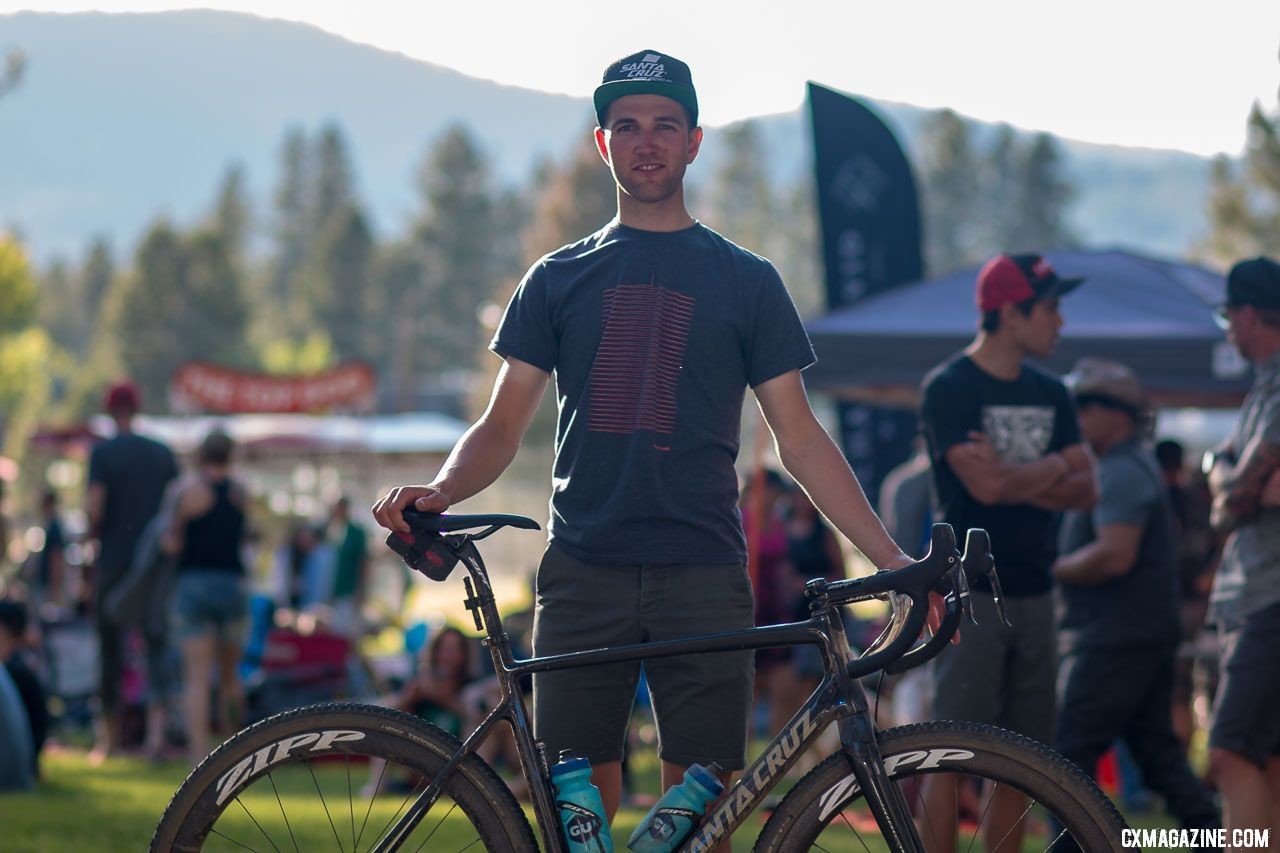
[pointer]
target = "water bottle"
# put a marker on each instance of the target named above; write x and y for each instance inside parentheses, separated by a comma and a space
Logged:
(581, 810)
(673, 817)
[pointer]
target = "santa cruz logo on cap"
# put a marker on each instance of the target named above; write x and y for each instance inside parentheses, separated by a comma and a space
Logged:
(648, 68)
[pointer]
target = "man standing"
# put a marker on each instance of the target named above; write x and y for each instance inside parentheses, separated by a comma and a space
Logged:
(654, 327)
(1006, 454)
(1120, 626)
(350, 562)
(127, 478)
(1244, 740)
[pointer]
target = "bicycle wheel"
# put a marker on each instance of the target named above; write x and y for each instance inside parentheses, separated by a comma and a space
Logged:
(305, 780)
(1064, 811)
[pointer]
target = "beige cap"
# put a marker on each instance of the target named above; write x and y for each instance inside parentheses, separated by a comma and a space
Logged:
(1111, 380)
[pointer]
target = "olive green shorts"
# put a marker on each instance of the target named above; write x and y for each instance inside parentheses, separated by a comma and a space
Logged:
(701, 702)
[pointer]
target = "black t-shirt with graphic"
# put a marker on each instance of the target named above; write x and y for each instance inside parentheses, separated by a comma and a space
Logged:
(1139, 608)
(653, 338)
(1025, 419)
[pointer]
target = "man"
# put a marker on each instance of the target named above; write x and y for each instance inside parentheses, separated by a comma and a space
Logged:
(654, 327)
(1007, 455)
(1244, 740)
(1118, 577)
(350, 563)
(128, 475)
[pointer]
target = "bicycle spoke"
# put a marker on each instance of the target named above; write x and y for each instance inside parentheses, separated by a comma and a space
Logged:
(255, 823)
(351, 804)
(1061, 835)
(991, 798)
(232, 840)
(272, 779)
(418, 849)
(858, 835)
(325, 806)
(1030, 805)
(412, 795)
(924, 803)
(377, 786)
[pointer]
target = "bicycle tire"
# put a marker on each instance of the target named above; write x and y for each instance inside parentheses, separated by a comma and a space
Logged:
(822, 799)
(333, 734)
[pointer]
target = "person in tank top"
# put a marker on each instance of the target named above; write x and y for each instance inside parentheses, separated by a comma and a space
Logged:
(210, 601)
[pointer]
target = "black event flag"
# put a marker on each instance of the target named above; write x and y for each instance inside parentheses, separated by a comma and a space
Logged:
(870, 219)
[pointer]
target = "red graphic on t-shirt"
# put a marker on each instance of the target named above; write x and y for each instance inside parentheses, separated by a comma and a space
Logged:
(634, 377)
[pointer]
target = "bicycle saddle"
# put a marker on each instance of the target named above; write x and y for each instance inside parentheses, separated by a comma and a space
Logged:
(443, 522)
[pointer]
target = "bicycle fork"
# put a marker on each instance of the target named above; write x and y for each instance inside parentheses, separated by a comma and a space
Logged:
(858, 738)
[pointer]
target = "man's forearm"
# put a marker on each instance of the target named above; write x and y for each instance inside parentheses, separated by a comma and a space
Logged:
(477, 460)
(1085, 566)
(1021, 482)
(1077, 490)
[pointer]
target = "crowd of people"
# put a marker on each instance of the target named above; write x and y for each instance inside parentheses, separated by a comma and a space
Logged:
(166, 567)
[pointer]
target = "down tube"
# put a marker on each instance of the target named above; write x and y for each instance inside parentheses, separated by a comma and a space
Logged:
(758, 779)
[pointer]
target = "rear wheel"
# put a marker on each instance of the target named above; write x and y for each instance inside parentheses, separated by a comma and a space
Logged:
(1062, 809)
(338, 777)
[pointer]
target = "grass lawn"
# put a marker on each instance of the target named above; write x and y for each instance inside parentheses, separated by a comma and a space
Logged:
(116, 806)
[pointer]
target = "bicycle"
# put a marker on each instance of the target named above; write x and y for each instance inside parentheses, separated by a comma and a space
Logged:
(236, 798)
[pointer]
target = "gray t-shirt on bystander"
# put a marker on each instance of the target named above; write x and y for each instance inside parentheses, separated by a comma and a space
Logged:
(1248, 578)
(653, 338)
(1140, 608)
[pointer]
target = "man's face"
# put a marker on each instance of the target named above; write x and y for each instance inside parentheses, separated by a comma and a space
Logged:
(1239, 322)
(648, 144)
(1036, 333)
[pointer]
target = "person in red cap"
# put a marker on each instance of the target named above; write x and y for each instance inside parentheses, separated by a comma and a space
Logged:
(1007, 455)
(128, 475)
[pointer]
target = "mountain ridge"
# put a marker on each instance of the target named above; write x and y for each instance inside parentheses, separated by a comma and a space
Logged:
(125, 117)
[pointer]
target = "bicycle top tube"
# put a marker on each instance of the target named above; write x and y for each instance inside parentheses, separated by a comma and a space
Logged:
(438, 541)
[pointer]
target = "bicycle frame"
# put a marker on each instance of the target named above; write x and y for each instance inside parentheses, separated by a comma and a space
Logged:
(838, 698)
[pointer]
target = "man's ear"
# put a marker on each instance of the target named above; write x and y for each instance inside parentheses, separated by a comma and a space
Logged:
(602, 144)
(695, 143)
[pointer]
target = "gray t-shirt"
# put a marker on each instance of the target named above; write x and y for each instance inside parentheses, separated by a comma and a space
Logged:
(1248, 578)
(1140, 608)
(653, 338)
(134, 472)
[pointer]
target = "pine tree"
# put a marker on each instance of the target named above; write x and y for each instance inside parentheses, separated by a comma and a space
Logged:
(1042, 196)
(464, 250)
(293, 228)
(741, 203)
(346, 301)
(948, 168)
(184, 301)
(1244, 202)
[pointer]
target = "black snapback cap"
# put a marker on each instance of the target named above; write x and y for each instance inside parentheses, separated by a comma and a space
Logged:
(647, 73)
(1254, 282)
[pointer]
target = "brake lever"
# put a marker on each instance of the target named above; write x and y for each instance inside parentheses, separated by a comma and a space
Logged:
(997, 596)
(961, 587)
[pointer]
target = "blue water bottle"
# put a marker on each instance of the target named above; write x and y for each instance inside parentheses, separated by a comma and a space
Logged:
(673, 817)
(582, 814)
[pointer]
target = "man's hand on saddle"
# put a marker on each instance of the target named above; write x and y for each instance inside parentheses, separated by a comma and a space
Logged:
(389, 510)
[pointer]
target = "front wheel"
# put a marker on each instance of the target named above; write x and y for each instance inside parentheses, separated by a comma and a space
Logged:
(338, 777)
(1059, 808)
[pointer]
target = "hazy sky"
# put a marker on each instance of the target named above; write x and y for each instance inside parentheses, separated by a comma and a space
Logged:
(1149, 73)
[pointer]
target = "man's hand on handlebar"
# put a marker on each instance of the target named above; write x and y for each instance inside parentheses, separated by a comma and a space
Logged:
(937, 605)
(389, 510)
